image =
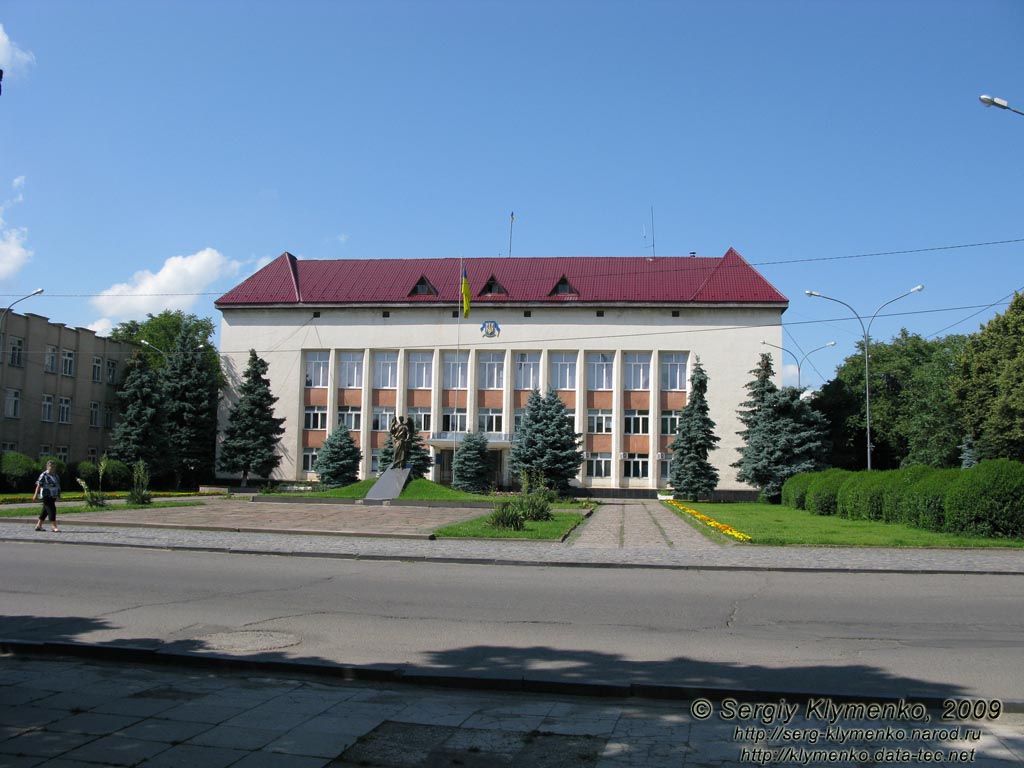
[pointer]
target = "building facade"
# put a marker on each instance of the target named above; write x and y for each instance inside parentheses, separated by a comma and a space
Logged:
(361, 341)
(59, 388)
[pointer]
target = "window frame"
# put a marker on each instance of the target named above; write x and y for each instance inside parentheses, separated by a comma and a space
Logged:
(636, 421)
(489, 420)
(636, 465)
(636, 371)
(314, 418)
(385, 369)
(420, 370)
(63, 410)
(672, 374)
(600, 417)
(598, 367)
(527, 368)
(455, 370)
(491, 370)
(350, 370)
(565, 363)
(318, 369)
(599, 461)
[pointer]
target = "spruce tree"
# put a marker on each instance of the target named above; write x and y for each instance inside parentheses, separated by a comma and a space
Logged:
(337, 461)
(692, 474)
(190, 399)
(140, 432)
(754, 463)
(252, 434)
(788, 437)
(470, 468)
(547, 445)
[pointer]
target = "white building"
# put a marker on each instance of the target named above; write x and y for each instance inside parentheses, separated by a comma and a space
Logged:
(360, 341)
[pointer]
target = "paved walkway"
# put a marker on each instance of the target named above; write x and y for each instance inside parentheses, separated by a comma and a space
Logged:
(66, 713)
(633, 533)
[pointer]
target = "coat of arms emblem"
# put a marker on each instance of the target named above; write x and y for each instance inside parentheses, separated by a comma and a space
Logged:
(490, 329)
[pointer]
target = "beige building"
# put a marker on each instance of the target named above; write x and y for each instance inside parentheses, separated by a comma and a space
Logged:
(58, 386)
(360, 341)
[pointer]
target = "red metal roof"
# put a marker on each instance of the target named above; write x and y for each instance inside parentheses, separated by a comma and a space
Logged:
(605, 279)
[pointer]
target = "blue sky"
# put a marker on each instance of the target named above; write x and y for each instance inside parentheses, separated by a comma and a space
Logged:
(152, 154)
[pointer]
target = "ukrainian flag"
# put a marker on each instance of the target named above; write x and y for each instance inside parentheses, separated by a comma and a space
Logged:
(465, 293)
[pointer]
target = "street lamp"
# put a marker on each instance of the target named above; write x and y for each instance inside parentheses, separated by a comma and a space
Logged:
(154, 346)
(3, 318)
(867, 341)
(800, 364)
(994, 101)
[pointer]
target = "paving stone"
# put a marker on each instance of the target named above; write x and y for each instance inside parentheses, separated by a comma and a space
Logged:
(234, 737)
(93, 722)
(117, 750)
(168, 731)
(195, 757)
(44, 743)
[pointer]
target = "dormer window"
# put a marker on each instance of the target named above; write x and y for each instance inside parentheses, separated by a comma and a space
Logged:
(492, 287)
(423, 287)
(563, 287)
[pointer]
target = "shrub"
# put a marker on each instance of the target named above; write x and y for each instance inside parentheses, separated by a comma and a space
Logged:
(19, 471)
(861, 497)
(118, 476)
(987, 500)
(93, 498)
(507, 515)
(893, 508)
(923, 503)
(794, 490)
(87, 471)
(822, 492)
(139, 493)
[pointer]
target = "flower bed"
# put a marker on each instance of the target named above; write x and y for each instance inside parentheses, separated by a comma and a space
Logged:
(728, 530)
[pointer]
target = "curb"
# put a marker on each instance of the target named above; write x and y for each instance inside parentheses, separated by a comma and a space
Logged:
(400, 675)
(412, 558)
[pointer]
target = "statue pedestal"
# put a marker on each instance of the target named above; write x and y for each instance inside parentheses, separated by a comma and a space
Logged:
(388, 485)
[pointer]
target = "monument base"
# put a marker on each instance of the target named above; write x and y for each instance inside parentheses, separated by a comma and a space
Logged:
(388, 485)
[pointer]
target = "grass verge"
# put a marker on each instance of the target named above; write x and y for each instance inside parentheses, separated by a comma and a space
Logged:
(552, 530)
(778, 525)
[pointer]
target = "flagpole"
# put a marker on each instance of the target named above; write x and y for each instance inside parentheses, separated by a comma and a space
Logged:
(458, 359)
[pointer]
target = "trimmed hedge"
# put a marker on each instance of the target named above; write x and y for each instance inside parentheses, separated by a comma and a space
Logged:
(987, 500)
(794, 490)
(924, 503)
(893, 510)
(823, 490)
(862, 495)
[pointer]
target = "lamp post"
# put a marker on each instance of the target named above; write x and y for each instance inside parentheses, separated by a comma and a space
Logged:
(3, 341)
(800, 364)
(154, 346)
(994, 101)
(867, 341)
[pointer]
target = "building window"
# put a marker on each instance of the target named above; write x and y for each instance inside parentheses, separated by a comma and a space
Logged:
(317, 367)
(47, 409)
(64, 410)
(8, 447)
(489, 420)
(637, 371)
(637, 423)
(635, 465)
(316, 417)
(517, 419)
(665, 467)
(351, 417)
(599, 421)
(421, 370)
(673, 371)
(67, 362)
(16, 351)
(94, 414)
(12, 403)
(108, 416)
(382, 418)
(62, 453)
(599, 370)
(570, 419)
(50, 359)
(350, 370)
(453, 420)
(527, 370)
(45, 450)
(670, 422)
(492, 370)
(111, 372)
(97, 369)
(308, 459)
(92, 454)
(385, 370)
(599, 465)
(456, 370)
(563, 370)
(421, 418)
(375, 461)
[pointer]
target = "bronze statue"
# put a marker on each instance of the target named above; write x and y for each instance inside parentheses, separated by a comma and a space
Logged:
(401, 436)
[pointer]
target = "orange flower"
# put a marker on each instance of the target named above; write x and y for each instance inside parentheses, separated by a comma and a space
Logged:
(728, 530)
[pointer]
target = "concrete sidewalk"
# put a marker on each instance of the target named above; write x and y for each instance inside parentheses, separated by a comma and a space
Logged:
(67, 713)
(633, 533)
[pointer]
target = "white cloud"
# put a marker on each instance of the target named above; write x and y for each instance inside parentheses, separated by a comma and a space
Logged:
(790, 374)
(102, 327)
(13, 253)
(343, 238)
(12, 58)
(176, 286)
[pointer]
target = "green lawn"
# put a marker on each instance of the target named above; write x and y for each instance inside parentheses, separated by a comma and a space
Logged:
(778, 525)
(425, 490)
(478, 528)
(70, 510)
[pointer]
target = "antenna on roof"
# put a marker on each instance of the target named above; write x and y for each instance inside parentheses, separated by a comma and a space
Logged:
(511, 221)
(651, 246)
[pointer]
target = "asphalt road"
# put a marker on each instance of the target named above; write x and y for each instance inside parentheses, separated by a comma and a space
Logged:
(870, 634)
